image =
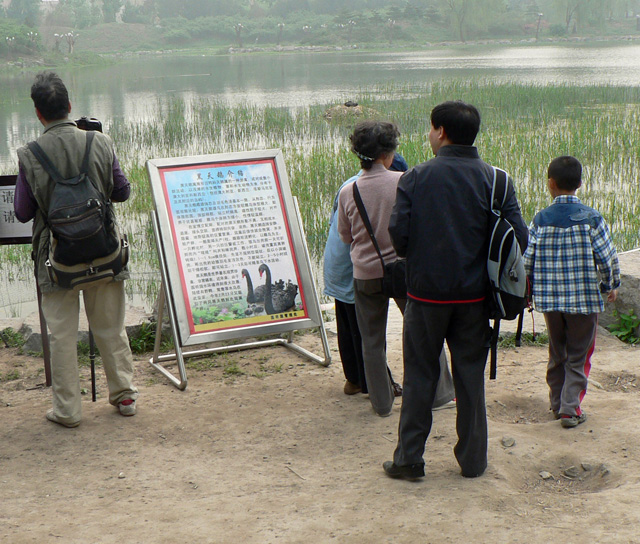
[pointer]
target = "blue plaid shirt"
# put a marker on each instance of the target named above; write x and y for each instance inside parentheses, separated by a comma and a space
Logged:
(570, 259)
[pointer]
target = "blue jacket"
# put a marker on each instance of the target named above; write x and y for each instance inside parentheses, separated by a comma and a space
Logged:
(338, 269)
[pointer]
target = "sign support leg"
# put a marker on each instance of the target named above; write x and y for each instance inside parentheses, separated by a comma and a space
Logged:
(180, 383)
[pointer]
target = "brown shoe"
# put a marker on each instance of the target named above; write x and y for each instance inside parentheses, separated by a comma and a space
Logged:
(351, 388)
(397, 389)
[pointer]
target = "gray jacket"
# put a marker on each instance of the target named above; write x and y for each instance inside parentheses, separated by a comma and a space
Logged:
(64, 143)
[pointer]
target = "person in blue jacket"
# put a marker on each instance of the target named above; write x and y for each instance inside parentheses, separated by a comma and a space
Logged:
(338, 283)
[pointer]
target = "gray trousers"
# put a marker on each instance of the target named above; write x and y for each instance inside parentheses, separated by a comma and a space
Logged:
(572, 338)
(466, 330)
(371, 310)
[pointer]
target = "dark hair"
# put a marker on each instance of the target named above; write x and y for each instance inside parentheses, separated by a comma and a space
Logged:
(566, 171)
(50, 96)
(461, 121)
(372, 139)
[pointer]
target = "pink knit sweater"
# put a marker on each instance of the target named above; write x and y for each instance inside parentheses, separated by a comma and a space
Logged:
(377, 188)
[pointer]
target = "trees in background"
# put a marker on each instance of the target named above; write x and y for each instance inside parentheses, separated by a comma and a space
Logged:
(17, 38)
(459, 9)
(110, 8)
(339, 22)
(26, 12)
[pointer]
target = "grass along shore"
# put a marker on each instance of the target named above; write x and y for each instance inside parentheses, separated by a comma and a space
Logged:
(524, 127)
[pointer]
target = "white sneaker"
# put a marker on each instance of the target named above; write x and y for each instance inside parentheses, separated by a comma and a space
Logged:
(127, 407)
(445, 406)
(54, 418)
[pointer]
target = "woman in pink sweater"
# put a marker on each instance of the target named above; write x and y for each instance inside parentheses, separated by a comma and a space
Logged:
(374, 143)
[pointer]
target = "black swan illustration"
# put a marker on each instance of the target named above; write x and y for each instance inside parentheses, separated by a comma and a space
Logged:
(253, 297)
(278, 296)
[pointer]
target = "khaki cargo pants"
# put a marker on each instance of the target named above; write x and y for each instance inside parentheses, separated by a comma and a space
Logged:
(105, 307)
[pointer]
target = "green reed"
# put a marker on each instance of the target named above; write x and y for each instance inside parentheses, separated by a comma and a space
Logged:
(523, 128)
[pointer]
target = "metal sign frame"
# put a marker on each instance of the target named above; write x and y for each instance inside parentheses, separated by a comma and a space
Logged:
(204, 205)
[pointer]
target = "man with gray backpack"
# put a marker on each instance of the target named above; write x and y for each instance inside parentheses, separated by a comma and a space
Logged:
(66, 182)
(441, 222)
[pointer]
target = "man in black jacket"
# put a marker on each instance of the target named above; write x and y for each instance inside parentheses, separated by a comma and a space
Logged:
(440, 222)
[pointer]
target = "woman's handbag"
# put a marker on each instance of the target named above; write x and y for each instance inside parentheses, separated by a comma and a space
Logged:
(394, 279)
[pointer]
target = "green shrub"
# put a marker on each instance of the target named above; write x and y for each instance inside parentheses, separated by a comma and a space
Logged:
(626, 328)
(13, 338)
(508, 339)
(145, 338)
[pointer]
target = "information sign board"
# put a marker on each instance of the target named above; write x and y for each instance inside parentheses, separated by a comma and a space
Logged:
(233, 245)
(11, 230)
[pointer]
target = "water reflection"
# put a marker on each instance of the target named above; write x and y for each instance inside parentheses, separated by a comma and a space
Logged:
(139, 88)
(134, 87)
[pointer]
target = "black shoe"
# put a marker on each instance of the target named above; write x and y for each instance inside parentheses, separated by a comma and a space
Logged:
(397, 389)
(472, 474)
(408, 472)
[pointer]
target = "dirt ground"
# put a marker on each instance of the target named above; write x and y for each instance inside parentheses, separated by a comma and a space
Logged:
(263, 446)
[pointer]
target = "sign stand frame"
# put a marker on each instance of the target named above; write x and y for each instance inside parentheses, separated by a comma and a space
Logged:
(165, 297)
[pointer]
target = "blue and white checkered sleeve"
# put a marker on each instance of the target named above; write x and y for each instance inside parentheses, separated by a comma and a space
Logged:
(606, 257)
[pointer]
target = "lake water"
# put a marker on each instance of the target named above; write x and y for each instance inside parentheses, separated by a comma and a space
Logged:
(134, 87)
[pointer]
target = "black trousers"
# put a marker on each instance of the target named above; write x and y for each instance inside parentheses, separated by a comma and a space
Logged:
(465, 327)
(350, 344)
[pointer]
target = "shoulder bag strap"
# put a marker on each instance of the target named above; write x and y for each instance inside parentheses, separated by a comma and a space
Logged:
(45, 161)
(498, 189)
(84, 169)
(365, 220)
(49, 167)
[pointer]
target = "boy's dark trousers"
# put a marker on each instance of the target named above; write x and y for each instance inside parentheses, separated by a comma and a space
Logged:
(572, 338)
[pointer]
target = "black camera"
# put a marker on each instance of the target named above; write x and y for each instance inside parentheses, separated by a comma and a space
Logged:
(89, 123)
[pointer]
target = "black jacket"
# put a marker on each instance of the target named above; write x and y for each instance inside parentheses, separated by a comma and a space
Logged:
(440, 223)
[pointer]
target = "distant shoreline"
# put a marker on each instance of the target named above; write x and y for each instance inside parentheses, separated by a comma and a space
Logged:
(233, 50)
(42, 62)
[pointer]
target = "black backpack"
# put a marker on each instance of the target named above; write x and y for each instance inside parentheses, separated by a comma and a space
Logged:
(507, 278)
(85, 245)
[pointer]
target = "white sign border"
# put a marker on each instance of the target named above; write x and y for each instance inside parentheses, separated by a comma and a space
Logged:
(169, 254)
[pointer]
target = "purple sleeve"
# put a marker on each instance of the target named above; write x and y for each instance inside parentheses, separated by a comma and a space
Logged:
(121, 185)
(24, 203)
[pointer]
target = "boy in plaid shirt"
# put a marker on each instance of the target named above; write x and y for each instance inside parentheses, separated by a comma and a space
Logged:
(571, 263)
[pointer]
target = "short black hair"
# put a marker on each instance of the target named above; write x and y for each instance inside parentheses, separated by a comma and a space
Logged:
(566, 171)
(50, 96)
(461, 121)
(372, 139)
